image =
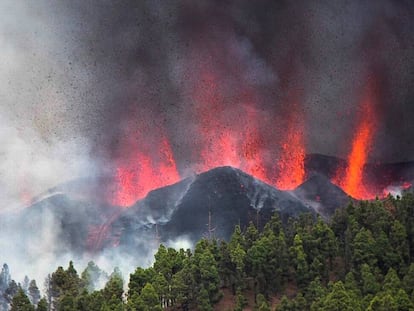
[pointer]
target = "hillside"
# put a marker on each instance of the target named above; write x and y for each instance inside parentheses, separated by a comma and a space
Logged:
(361, 260)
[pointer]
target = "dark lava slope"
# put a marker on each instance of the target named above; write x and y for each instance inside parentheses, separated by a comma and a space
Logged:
(210, 203)
(223, 197)
(320, 193)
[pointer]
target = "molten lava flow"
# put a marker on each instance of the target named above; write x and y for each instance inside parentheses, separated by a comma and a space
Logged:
(290, 166)
(143, 172)
(351, 179)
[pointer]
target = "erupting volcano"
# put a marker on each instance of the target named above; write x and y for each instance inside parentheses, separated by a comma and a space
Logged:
(237, 138)
(125, 124)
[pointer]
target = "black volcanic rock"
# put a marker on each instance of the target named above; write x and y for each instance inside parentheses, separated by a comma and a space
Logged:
(225, 195)
(325, 197)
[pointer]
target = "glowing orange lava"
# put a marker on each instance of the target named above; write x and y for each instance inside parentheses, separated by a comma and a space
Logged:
(228, 129)
(290, 166)
(218, 143)
(291, 163)
(144, 172)
(229, 137)
(251, 149)
(351, 179)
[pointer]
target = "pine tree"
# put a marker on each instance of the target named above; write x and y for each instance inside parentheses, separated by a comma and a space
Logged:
(399, 243)
(49, 290)
(226, 267)
(383, 302)
(408, 280)
(403, 301)
(364, 248)
(351, 284)
(300, 262)
(203, 300)
(184, 287)
(114, 289)
(315, 291)
(63, 288)
(261, 303)
(241, 300)
(150, 298)
(5, 278)
(323, 245)
(392, 282)
(34, 293)
(237, 257)
(139, 278)
(162, 287)
(42, 305)
(21, 302)
(91, 276)
(285, 304)
(25, 285)
(369, 283)
(208, 272)
(11, 291)
(251, 235)
(339, 300)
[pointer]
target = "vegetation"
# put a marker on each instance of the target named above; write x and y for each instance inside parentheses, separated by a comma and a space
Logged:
(362, 259)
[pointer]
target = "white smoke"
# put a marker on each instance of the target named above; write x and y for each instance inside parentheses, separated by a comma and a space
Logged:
(40, 144)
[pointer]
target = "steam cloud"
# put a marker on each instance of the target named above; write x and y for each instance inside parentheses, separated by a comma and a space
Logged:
(80, 78)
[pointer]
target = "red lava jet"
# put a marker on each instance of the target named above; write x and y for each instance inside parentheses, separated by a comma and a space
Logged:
(144, 170)
(351, 178)
(219, 143)
(291, 162)
(254, 162)
(226, 140)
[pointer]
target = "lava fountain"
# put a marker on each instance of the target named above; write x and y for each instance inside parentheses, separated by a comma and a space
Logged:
(291, 163)
(146, 168)
(351, 178)
(234, 138)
